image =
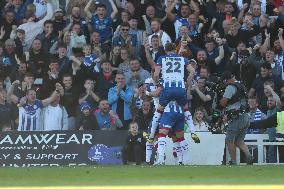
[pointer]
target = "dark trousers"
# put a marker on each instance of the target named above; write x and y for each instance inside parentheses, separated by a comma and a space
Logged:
(132, 152)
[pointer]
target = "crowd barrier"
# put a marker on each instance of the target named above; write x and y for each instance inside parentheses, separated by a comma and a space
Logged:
(71, 148)
(61, 148)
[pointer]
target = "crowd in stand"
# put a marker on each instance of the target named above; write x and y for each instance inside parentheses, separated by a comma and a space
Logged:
(82, 64)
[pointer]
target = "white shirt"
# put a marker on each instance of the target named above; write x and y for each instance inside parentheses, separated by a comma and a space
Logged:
(54, 118)
(40, 8)
(32, 29)
(165, 38)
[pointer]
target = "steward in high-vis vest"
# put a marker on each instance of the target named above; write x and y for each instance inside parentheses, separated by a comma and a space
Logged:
(276, 120)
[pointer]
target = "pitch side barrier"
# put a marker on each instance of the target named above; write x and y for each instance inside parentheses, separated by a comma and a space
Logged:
(61, 148)
(75, 148)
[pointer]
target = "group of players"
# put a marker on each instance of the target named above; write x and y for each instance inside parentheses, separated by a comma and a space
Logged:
(171, 104)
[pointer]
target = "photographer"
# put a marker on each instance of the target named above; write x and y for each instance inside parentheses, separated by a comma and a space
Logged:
(237, 121)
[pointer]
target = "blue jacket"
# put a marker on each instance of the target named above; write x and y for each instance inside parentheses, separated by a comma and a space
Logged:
(127, 98)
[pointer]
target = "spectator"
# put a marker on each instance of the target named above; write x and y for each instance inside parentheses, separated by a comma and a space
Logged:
(136, 75)
(18, 89)
(140, 35)
(200, 95)
(58, 22)
(77, 38)
(30, 109)
(86, 120)
(105, 79)
(70, 99)
(156, 28)
(75, 18)
(153, 51)
(242, 67)
(20, 72)
(89, 95)
(125, 60)
(106, 118)
(200, 119)
(55, 116)
(272, 109)
(133, 149)
(120, 97)
(7, 24)
(32, 28)
(100, 22)
(255, 114)
(7, 114)
(144, 115)
(257, 85)
(48, 37)
(124, 38)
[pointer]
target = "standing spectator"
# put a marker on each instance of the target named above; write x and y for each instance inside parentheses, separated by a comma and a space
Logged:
(125, 60)
(257, 85)
(185, 11)
(48, 36)
(133, 149)
(136, 75)
(70, 99)
(50, 78)
(255, 114)
(153, 51)
(201, 96)
(19, 89)
(86, 120)
(156, 28)
(19, 71)
(55, 116)
(120, 97)
(244, 70)
(89, 95)
(8, 23)
(32, 28)
(105, 79)
(106, 118)
(100, 22)
(7, 115)
(124, 38)
(272, 109)
(139, 34)
(144, 115)
(75, 18)
(77, 38)
(30, 110)
(58, 22)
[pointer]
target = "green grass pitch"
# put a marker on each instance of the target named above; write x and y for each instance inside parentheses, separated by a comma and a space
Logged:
(142, 176)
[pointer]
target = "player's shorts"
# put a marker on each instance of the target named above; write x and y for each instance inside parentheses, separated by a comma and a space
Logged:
(172, 120)
(173, 93)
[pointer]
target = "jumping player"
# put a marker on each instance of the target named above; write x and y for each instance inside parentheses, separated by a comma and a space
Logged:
(172, 67)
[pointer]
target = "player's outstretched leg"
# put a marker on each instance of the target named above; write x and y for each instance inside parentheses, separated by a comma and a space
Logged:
(155, 121)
